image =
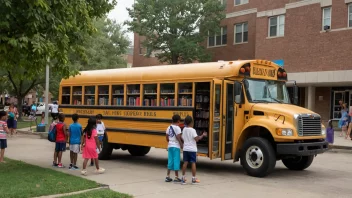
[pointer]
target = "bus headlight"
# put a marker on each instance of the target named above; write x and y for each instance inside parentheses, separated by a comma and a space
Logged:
(284, 132)
(323, 131)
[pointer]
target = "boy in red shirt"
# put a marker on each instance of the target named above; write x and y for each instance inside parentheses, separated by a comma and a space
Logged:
(60, 146)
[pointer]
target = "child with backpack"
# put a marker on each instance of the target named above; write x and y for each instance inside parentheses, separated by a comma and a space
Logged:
(100, 130)
(173, 137)
(330, 133)
(89, 146)
(190, 139)
(60, 141)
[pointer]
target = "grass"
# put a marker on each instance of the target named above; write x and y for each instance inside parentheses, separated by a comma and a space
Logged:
(19, 179)
(101, 193)
(24, 124)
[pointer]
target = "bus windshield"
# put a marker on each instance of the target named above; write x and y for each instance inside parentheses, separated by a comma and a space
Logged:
(266, 91)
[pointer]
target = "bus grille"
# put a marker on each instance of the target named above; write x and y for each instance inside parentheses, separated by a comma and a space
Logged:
(309, 125)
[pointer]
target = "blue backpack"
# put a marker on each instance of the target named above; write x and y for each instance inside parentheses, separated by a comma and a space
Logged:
(52, 134)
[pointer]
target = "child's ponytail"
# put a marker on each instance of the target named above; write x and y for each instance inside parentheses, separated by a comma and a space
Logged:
(90, 127)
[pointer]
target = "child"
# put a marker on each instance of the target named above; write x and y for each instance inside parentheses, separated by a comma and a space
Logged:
(11, 119)
(190, 138)
(60, 146)
(74, 132)
(330, 133)
(42, 118)
(345, 123)
(100, 131)
(3, 131)
(89, 145)
(173, 137)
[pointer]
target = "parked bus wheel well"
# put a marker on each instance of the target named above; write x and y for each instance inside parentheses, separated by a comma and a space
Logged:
(254, 131)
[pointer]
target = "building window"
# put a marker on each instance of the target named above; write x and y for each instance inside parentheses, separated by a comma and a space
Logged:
(277, 26)
(218, 39)
(223, 2)
(240, 2)
(241, 33)
(327, 18)
(350, 15)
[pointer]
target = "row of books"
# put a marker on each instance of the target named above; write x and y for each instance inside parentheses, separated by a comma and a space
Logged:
(117, 101)
(150, 91)
(202, 98)
(134, 101)
(135, 91)
(149, 102)
(167, 102)
(77, 92)
(201, 123)
(103, 101)
(77, 102)
(118, 91)
(185, 101)
(202, 114)
(104, 92)
(90, 101)
(185, 91)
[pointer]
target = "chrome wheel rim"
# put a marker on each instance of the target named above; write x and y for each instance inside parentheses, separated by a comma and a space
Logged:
(254, 157)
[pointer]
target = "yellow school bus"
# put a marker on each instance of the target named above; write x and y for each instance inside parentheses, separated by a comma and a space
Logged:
(243, 105)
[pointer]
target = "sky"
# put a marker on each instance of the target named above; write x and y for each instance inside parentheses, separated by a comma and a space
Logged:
(120, 14)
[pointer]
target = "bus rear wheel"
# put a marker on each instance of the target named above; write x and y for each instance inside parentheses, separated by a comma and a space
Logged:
(258, 157)
(106, 151)
(298, 163)
(138, 150)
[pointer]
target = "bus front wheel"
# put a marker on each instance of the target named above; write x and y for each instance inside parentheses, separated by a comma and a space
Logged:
(138, 150)
(106, 150)
(298, 163)
(258, 157)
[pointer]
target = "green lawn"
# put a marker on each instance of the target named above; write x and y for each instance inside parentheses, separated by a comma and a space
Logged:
(102, 193)
(24, 124)
(18, 179)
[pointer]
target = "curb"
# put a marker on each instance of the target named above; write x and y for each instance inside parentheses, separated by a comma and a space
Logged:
(43, 135)
(102, 186)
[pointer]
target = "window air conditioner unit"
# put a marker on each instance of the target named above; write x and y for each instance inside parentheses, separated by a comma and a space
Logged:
(327, 27)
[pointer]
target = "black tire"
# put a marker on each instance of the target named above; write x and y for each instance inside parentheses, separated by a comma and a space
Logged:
(106, 151)
(298, 163)
(261, 157)
(138, 150)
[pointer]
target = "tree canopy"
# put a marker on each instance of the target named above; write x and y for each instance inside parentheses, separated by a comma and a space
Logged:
(176, 29)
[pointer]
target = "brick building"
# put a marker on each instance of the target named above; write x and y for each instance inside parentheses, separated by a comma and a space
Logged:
(312, 38)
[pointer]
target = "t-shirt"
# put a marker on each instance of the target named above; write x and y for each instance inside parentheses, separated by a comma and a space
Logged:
(60, 134)
(3, 126)
(100, 128)
(55, 108)
(173, 142)
(75, 133)
(90, 142)
(189, 143)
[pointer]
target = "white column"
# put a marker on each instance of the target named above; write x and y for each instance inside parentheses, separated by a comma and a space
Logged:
(311, 98)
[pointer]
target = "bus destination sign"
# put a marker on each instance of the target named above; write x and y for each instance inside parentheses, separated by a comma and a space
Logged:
(260, 72)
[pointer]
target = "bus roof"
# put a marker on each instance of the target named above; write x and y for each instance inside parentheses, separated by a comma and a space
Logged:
(210, 70)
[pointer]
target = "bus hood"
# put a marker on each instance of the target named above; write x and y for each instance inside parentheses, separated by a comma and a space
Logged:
(272, 109)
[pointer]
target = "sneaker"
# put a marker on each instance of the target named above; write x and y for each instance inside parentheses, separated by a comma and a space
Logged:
(60, 166)
(75, 167)
(195, 181)
(183, 181)
(55, 164)
(70, 167)
(100, 171)
(177, 179)
(84, 172)
(168, 179)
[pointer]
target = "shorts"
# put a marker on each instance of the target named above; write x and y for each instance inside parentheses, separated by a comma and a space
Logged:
(75, 148)
(3, 143)
(60, 146)
(15, 124)
(10, 123)
(189, 156)
(54, 115)
(173, 159)
(100, 137)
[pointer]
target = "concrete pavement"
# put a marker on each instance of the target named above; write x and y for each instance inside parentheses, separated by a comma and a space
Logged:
(329, 176)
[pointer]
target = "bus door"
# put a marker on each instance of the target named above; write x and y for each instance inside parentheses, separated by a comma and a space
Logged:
(216, 120)
(227, 120)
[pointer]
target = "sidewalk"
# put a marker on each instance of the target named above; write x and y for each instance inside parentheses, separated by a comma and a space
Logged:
(341, 142)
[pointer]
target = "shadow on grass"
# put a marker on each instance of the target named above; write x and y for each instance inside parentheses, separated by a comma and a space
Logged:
(19, 179)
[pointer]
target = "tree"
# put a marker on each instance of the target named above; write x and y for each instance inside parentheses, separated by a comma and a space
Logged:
(103, 51)
(31, 32)
(176, 28)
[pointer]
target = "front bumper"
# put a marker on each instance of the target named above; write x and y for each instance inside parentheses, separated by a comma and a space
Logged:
(302, 149)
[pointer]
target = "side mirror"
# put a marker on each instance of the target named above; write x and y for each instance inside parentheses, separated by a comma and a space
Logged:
(238, 92)
(295, 95)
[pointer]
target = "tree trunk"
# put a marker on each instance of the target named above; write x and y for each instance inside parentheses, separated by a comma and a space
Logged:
(174, 59)
(19, 106)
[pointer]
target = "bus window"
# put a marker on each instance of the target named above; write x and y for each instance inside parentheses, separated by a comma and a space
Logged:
(167, 94)
(66, 95)
(103, 96)
(77, 95)
(185, 93)
(150, 95)
(133, 95)
(89, 95)
(118, 95)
